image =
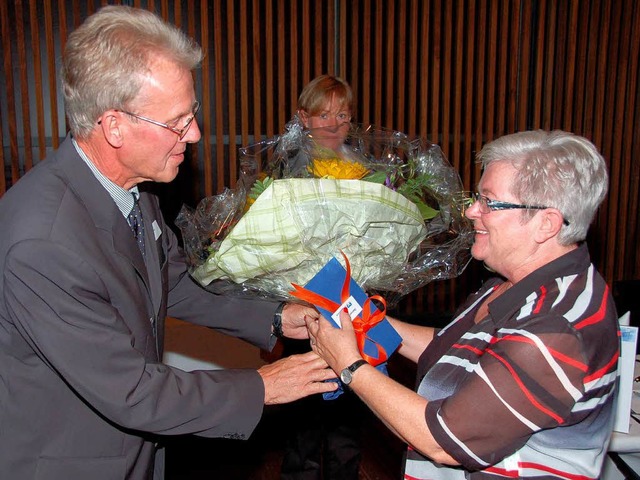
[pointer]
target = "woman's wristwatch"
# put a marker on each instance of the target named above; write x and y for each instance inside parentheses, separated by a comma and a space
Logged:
(346, 375)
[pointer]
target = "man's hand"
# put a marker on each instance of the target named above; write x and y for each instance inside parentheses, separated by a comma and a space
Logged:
(296, 377)
(295, 318)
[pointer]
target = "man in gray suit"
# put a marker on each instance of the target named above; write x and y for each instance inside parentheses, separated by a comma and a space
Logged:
(83, 392)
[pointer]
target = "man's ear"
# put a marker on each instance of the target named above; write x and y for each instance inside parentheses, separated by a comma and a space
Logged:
(550, 224)
(110, 124)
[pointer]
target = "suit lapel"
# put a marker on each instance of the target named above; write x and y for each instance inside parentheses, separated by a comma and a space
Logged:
(153, 251)
(102, 209)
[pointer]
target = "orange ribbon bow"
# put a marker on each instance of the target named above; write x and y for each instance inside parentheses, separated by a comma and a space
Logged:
(363, 322)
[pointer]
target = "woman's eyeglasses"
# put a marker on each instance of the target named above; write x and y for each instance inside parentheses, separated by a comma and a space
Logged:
(487, 205)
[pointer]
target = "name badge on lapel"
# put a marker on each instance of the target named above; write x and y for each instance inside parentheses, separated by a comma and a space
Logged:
(156, 230)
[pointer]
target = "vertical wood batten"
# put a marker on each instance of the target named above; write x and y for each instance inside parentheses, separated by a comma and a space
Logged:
(539, 68)
(458, 91)
(365, 91)
(557, 104)
(606, 217)
(524, 65)
(378, 83)
(386, 77)
(341, 43)
(547, 98)
(258, 126)
(569, 66)
(435, 75)
(330, 42)
(424, 69)
(513, 75)
(24, 82)
(443, 290)
(4, 36)
(281, 75)
(402, 69)
(229, 165)
(3, 162)
(219, 97)
(630, 267)
(580, 68)
(269, 69)
(38, 81)
(306, 42)
(11, 100)
(177, 14)
(502, 47)
(493, 74)
(164, 9)
(205, 127)
(62, 34)
(294, 82)
(446, 61)
(244, 81)
(194, 158)
(317, 51)
(617, 211)
(426, 296)
(51, 65)
(413, 61)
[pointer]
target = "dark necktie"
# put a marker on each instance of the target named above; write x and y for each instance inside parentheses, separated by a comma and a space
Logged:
(136, 223)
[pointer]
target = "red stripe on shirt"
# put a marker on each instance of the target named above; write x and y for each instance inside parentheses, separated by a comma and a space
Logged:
(541, 299)
(554, 353)
(599, 315)
(608, 368)
(524, 390)
(535, 466)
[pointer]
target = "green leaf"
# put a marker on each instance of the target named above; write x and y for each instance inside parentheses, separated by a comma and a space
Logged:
(260, 186)
(376, 177)
(427, 212)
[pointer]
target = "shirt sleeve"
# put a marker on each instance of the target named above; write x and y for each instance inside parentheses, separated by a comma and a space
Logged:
(524, 380)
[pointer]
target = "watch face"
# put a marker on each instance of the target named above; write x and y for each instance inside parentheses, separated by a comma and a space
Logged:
(345, 376)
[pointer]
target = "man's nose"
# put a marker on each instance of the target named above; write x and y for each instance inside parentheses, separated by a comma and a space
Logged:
(194, 134)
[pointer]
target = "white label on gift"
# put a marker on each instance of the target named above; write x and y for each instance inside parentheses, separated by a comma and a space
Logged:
(351, 305)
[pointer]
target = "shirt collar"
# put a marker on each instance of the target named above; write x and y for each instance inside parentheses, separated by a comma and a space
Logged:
(571, 263)
(122, 197)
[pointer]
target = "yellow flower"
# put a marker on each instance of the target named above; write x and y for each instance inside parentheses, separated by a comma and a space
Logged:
(336, 168)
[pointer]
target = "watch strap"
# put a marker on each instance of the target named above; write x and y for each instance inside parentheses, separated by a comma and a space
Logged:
(277, 321)
(356, 365)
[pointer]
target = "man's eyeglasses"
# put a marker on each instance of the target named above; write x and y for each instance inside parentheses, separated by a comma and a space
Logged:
(181, 132)
(487, 205)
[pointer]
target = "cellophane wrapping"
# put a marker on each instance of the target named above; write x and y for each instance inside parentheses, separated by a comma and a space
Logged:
(391, 203)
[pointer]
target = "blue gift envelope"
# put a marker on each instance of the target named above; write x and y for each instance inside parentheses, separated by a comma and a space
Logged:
(329, 284)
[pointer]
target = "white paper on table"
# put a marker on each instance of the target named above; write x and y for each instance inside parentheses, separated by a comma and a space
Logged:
(626, 365)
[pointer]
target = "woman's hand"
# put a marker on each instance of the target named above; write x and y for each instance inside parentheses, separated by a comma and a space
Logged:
(337, 346)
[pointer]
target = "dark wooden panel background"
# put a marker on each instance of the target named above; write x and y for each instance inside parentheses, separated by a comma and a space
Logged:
(457, 72)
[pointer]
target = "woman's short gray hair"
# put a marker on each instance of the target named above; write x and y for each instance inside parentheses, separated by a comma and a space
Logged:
(106, 58)
(555, 169)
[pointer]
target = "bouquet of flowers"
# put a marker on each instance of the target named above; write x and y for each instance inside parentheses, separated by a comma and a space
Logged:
(390, 203)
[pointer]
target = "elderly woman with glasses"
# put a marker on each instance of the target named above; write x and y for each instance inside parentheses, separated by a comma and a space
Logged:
(521, 383)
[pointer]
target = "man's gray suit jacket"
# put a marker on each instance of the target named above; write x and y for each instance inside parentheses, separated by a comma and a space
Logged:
(83, 394)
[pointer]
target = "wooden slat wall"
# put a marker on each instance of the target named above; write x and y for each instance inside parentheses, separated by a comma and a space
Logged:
(458, 73)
